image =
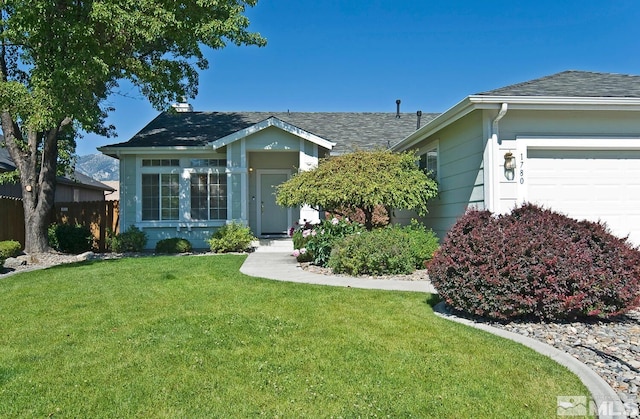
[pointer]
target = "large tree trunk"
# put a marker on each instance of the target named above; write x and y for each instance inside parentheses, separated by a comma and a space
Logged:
(36, 159)
(38, 199)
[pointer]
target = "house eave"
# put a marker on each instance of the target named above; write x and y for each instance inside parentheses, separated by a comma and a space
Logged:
(551, 103)
(271, 122)
(556, 102)
(451, 115)
(116, 152)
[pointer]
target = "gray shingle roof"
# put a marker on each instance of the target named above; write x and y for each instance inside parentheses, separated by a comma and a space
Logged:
(349, 131)
(574, 84)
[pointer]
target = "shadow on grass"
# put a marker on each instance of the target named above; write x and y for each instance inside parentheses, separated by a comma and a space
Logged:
(432, 300)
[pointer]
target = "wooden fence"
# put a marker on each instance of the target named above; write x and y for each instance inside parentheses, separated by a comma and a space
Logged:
(99, 216)
(11, 219)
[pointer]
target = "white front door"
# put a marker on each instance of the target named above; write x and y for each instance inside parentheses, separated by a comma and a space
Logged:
(272, 218)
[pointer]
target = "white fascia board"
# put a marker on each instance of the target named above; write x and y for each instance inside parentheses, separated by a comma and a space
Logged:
(120, 151)
(272, 122)
(556, 102)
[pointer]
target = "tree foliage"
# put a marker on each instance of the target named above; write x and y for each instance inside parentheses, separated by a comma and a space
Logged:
(61, 59)
(361, 180)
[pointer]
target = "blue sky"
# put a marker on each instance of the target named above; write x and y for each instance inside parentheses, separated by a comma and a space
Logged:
(360, 56)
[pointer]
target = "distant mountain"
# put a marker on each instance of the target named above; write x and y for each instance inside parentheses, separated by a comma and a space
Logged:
(98, 166)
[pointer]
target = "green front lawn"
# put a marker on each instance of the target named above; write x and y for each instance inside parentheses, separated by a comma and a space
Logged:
(192, 337)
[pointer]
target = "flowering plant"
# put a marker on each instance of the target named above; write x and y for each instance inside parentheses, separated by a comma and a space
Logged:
(300, 235)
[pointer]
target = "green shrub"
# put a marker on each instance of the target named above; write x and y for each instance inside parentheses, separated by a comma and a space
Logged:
(173, 245)
(132, 240)
(424, 242)
(377, 252)
(535, 263)
(233, 237)
(68, 238)
(321, 238)
(10, 249)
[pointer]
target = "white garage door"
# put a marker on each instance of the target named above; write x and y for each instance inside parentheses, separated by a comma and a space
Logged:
(589, 184)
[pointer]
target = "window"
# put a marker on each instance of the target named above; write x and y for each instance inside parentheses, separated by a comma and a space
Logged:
(160, 163)
(208, 196)
(160, 196)
(208, 162)
(429, 162)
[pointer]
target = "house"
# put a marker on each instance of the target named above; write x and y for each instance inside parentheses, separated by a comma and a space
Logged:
(187, 173)
(75, 187)
(569, 141)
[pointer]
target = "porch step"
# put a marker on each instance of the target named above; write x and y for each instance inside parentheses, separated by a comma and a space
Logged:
(274, 245)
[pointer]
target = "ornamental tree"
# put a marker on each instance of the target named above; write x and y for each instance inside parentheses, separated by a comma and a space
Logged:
(362, 180)
(61, 59)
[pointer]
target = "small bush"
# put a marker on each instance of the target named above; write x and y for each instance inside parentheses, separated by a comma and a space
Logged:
(10, 249)
(173, 245)
(535, 263)
(68, 238)
(424, 242)
(321, 238)
(132, 240)
(233, 237)
(377, 252)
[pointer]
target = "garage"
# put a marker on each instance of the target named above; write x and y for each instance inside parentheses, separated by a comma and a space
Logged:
(587, 183)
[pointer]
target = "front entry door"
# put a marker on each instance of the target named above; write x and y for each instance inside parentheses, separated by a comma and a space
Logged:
(274, 219)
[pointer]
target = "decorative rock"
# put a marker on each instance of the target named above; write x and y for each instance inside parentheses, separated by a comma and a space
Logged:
(12, 263)
(610, 348)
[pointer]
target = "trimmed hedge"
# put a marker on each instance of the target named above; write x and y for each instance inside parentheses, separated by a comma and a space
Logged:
(234, 237)
(67, 238)
(132, 240)
(384, 251)
(535, 263)
(173, 245)
(10, 249)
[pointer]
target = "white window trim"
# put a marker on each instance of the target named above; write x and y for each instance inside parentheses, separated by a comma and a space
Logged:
(435, 144)
(184, 216)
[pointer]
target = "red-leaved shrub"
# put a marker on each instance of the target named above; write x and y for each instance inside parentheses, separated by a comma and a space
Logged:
(535, 263)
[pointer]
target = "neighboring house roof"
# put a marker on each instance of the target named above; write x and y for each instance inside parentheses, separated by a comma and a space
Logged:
(349, 131)
(76, 178)
(574, 84)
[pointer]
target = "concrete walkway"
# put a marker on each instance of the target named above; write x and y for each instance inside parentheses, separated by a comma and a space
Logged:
(273, 260)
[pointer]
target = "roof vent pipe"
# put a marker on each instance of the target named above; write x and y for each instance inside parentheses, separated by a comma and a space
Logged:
(419, 114)
(398, 108)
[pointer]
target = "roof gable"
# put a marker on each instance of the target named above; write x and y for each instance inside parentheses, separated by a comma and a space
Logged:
(272, 122)
(574, 84)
